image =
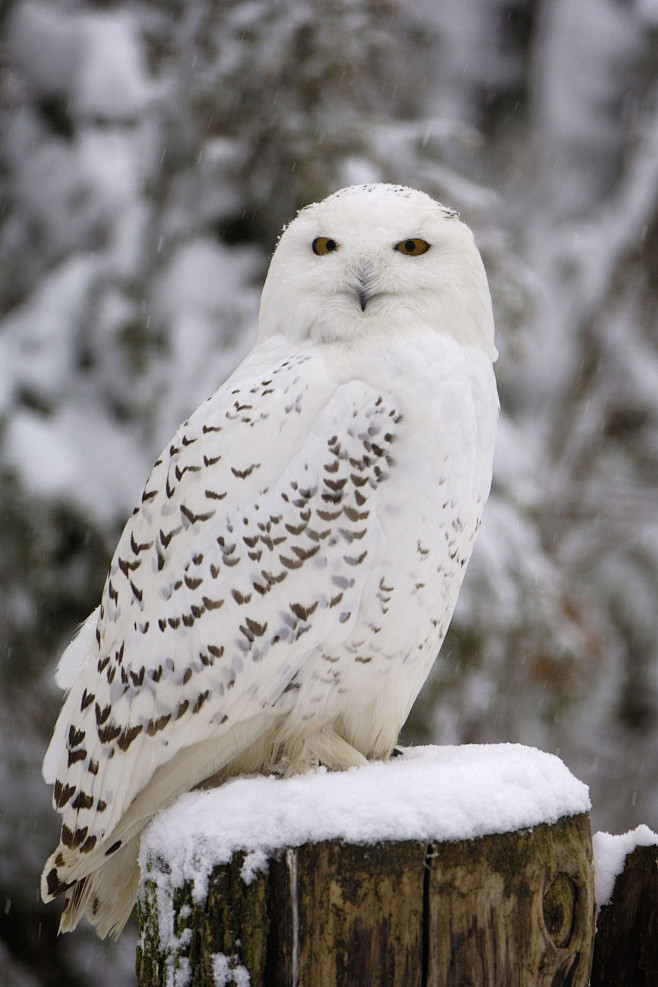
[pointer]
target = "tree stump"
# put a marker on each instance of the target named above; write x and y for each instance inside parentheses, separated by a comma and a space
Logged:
(507, 909)
(626, 950)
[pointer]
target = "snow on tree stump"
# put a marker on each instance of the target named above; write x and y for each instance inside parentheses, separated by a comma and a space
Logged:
(626, 947)
(448, 866)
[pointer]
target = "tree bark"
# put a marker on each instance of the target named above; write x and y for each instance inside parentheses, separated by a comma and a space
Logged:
(626, 948)
(507, 910)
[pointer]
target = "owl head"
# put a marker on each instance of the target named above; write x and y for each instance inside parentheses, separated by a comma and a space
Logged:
(377, 260)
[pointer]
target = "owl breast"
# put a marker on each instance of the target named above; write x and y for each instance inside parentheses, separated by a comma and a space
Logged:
(436, 472)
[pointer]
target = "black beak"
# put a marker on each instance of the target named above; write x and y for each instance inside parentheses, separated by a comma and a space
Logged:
(365, 284)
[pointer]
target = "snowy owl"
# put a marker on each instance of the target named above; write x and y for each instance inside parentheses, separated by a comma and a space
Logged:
(279, 594)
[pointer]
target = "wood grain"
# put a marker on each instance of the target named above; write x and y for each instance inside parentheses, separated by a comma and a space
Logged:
(508, 910)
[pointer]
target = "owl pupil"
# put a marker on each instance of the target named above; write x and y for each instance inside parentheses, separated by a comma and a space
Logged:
(324, 245)
(410, 246)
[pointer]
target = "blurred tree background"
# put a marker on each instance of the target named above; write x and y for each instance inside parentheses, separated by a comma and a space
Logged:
(150, 151)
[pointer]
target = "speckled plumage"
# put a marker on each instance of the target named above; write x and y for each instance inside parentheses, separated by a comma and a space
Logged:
(278, 596)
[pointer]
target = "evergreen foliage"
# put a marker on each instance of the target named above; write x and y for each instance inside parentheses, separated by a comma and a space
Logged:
(149, 153)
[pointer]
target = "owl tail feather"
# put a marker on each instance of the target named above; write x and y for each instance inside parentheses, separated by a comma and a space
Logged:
(107, 896)
(103, 884)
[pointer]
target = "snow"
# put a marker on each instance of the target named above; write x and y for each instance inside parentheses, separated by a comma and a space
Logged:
(62, 457)
(225, 973)
(136, 147)
(96, 59)
(205, 286)
(37, 346)
(610, 854)
(443, 793)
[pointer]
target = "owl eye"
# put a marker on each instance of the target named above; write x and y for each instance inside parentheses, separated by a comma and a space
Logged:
(324, 245)
(413, 247)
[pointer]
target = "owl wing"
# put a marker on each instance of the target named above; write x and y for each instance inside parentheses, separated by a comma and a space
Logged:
(255, 534)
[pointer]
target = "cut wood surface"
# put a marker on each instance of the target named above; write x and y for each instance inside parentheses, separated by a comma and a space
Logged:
(504, 910)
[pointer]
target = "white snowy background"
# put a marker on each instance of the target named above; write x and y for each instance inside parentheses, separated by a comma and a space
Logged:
(149, 154)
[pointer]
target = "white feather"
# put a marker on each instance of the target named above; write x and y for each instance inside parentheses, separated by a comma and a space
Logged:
(280, 593)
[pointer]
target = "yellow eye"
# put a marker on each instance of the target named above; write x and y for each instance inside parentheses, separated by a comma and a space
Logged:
(324, 245)
(413, 248)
